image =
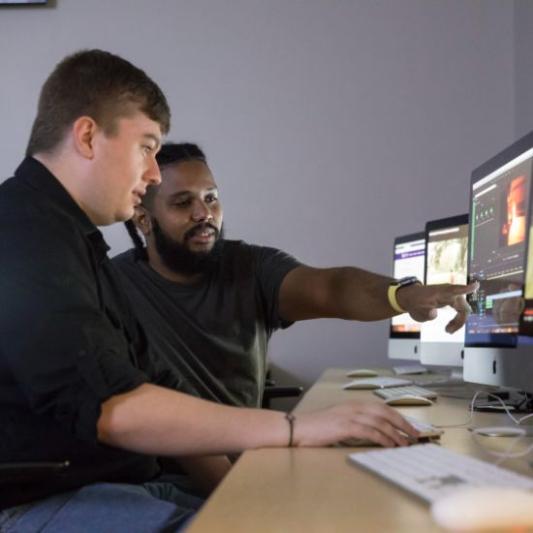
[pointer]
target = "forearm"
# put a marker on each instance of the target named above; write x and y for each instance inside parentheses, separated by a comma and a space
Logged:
(158, 421)
(357, 294)
(349, 293)
(162, 422)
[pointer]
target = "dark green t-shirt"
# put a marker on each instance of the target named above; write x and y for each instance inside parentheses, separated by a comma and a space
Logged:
(215, 332)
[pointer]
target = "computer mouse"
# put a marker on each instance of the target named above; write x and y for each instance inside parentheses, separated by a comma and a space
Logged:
(409, 399)
(362, 373)
(485, 509)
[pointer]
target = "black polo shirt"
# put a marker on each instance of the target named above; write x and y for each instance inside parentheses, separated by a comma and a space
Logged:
(67, 341)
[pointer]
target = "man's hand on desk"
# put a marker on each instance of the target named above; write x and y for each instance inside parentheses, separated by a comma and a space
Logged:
(368, 420)
(422, 301)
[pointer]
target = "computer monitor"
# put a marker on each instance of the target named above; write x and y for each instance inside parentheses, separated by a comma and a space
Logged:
(496, 351)
(404, 336)
(446, 260)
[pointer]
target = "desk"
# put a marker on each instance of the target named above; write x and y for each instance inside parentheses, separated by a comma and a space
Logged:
(316, 489)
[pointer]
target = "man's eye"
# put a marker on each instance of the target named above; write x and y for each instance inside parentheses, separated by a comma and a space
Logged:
(182, 203)
(211, 198)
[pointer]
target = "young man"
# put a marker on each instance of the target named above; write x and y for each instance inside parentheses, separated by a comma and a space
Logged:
(77, 382)
(209, 305)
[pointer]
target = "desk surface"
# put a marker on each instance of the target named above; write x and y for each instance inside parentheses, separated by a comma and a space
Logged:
(316, 489)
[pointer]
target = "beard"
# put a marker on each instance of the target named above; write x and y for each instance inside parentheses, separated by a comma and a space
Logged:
(177, 257)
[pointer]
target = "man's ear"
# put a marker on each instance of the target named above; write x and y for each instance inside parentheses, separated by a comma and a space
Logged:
(143, 220)
(83, 132)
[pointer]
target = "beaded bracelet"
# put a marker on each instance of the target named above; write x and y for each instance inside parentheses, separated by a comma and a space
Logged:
(290, 419)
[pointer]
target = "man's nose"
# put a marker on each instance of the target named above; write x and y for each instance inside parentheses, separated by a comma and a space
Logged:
(152, 174)
(201, 212)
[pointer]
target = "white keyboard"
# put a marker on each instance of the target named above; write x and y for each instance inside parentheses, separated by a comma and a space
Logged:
(430, 471)
(411, 390)
(376, 383)
(409, 369)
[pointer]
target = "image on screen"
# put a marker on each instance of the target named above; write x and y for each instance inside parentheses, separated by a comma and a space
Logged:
(447, 250)
(499, 214)
(408, 261)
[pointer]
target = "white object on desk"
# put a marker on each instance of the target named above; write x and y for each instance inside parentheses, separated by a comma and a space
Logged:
(430, 471)
(426, 430)
(407, 400)
(362, 373)
(375, 383)
(409, 369)
(413, 390)
(485, 509)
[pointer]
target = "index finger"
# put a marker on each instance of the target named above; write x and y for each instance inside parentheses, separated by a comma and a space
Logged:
(465, 289)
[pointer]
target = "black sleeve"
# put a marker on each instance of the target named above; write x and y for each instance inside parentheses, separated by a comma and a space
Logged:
(272, 266)
(58, 345)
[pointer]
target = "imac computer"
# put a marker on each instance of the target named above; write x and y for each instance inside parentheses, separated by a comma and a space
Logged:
(498, 350)
(404, 336)
(446, 260)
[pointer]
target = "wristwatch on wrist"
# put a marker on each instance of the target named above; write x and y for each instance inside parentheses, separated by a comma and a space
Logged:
(393, 289)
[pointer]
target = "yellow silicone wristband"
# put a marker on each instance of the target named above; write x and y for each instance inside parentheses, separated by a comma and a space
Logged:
(393, 302)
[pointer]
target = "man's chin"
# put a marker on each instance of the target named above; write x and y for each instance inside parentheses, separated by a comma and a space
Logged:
(199, 248)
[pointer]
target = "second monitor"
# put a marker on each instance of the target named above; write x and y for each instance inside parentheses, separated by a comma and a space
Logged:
(446, 262)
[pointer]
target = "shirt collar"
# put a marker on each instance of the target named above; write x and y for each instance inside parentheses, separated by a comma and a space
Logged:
(38, 177)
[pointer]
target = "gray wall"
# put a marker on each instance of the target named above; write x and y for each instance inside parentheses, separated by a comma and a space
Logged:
(523, 67)
(331, 125)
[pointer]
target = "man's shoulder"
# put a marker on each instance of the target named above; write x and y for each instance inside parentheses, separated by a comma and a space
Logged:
(242, 247)
(11, 190)
(125, 258)
(23, 212)
(128, 263)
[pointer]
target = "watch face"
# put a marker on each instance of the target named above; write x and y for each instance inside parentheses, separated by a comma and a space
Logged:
(409, 280)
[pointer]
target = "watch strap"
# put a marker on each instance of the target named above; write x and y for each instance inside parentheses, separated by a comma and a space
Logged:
(393, 289)
(391, 295)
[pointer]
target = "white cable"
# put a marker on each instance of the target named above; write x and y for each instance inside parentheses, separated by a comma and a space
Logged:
(517, 433)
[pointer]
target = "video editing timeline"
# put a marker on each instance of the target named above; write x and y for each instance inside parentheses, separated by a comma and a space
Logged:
(408, 261)
(499, 219)
(447, 251)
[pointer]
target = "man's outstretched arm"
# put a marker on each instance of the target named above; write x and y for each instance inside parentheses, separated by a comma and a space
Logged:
(354, 294)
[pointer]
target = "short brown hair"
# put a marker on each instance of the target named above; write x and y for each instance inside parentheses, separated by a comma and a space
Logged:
(97, 84)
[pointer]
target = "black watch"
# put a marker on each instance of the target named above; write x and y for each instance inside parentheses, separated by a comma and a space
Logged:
(405, 282)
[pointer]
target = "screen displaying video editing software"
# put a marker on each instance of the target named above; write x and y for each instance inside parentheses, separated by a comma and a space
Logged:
(499, 217)
(446, 260)
(408, 261)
